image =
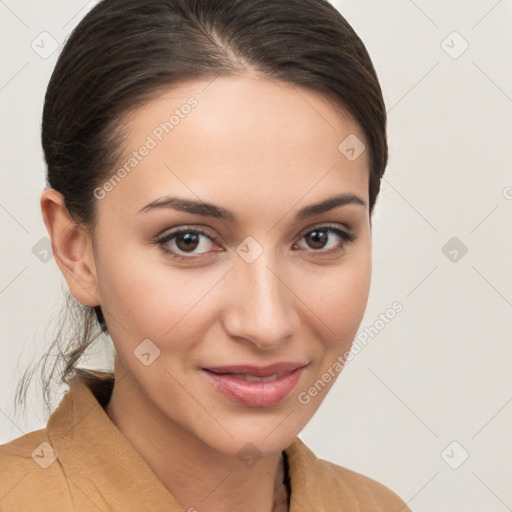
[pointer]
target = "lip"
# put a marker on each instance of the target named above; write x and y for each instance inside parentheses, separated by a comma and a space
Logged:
(258, 371)
(255, 394)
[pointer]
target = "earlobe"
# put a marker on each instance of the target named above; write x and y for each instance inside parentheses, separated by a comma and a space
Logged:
(72, 248)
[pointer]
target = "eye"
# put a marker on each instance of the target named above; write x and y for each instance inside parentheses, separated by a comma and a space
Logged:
(319, 238)
(187, 240)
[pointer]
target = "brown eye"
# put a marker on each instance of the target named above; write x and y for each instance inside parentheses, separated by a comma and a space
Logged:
(186, 241)
(319, 237)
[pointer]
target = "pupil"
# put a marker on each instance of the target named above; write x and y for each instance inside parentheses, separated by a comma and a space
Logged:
(188, 237)
(319, 238)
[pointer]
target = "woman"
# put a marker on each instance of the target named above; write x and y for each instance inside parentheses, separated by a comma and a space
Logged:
(212, 171)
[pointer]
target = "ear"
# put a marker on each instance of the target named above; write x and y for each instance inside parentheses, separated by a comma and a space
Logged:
(72, 248)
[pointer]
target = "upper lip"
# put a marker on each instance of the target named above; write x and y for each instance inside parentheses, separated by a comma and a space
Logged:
(257, 371)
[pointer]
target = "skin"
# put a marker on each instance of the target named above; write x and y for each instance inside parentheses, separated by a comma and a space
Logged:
(263, 149)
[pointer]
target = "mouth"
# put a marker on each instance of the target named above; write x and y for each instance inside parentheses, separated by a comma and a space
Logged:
(270, 370)
(252, 378)
(255, 386)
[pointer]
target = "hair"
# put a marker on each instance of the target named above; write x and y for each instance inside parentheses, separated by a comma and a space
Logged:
(124, 53)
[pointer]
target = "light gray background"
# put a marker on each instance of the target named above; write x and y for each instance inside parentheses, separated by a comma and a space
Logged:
(440, 371)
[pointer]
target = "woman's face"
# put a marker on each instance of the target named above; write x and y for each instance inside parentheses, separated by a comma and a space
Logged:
(268, 283)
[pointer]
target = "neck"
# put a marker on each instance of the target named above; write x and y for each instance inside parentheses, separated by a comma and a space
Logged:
(198, 476)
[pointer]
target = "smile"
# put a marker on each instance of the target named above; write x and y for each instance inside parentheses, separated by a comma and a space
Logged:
(252, 390)
(253, 378)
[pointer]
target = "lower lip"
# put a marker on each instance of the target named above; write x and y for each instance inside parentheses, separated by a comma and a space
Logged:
(255, 394)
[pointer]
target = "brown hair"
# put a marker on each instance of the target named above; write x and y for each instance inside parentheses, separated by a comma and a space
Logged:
(124, 53)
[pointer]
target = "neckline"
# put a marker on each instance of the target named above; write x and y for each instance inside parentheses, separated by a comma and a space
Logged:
(99, 385)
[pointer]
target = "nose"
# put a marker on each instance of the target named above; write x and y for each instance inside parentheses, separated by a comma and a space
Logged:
(262, 308)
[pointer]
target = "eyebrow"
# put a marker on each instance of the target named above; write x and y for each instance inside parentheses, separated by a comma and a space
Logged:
(218, 212)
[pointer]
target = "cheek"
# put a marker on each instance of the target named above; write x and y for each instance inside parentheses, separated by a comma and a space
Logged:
(349, 299)
(145, 299)
(338, 311)
(339, 298)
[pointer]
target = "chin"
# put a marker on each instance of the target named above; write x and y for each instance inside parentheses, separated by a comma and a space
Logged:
(265, 436)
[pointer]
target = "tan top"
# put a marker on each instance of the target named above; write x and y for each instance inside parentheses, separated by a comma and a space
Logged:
(95, 469)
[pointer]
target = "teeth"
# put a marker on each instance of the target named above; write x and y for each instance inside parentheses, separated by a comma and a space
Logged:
(252, 378)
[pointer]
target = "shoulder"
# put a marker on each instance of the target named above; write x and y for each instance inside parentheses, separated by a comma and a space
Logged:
(19, 453)
(369, 494)
(331, 484)
(29, 475)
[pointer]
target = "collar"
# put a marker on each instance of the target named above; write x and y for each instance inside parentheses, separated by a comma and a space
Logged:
(89, 443)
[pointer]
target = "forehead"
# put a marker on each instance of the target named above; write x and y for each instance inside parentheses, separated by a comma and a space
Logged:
(239, 136)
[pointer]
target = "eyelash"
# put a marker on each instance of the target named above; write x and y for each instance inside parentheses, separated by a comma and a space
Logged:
(162, 242)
